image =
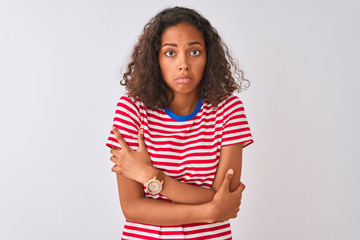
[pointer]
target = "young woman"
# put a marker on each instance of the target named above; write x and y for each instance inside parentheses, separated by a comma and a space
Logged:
(178, 133)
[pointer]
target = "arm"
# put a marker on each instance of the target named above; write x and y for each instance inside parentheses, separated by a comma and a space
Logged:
(230, 158)
(179, 192)
(137, 165)
(137, 208)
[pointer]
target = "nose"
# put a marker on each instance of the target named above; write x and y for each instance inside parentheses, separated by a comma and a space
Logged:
(186, 68)
(183, 63)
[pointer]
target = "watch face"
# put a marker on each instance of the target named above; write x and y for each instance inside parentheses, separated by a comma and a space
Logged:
(154, 187)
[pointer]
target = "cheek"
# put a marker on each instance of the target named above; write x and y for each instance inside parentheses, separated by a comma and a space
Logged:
(200, 67)
(164, 68)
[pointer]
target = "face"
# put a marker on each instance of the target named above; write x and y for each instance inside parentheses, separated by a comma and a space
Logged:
(182, 58)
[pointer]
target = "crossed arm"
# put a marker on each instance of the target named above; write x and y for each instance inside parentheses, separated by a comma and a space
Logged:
(191, 204)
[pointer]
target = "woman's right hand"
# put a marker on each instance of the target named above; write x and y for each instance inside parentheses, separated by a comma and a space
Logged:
(226, 204)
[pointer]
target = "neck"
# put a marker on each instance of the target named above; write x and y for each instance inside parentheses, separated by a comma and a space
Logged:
(183, 104)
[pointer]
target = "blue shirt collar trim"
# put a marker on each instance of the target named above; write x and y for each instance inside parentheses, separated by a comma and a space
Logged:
(187, 117)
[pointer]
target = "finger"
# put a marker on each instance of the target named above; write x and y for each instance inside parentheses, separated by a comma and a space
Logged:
(116, 169)
(141, 140)
(116, 152)
(239, 190)
(228, 176)
(115, 160)
(242, 185)
(120, 138)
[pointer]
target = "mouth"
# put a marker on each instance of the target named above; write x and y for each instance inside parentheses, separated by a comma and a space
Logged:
(183, 79)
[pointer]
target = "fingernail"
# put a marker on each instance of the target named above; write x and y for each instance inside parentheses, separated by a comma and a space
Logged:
(141, 131)
(113, 128)
(230, 171)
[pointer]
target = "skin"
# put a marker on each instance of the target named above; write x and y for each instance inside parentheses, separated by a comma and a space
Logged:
(182, 59)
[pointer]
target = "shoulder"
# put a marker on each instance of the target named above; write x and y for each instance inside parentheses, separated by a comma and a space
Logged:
(229, 102)
(129, 100)
(130, 103)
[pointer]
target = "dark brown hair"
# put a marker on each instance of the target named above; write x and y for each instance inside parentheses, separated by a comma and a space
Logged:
(143, 77)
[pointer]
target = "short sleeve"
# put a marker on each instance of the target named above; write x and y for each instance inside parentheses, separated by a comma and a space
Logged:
(235, 125)
(127, 120)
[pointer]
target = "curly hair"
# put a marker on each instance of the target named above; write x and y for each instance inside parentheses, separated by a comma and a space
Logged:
(143, 77)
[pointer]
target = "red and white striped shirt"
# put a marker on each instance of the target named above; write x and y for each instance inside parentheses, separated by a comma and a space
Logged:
(186, 148)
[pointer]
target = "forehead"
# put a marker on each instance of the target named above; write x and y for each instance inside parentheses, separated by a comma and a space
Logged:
(182, 32)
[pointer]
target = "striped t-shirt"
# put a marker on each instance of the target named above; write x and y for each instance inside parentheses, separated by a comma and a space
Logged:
(186, 148)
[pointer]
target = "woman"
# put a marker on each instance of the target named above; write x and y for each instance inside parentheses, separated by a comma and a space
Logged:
(178, 133)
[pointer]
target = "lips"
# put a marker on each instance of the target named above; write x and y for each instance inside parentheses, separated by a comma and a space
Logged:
(183, 79)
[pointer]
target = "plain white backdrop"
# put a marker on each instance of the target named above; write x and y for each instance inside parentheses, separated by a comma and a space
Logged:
(60, 67)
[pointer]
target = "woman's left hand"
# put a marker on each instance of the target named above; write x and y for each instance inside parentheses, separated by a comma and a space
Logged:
(135, 165)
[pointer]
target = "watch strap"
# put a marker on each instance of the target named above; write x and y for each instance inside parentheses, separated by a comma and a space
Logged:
(160, 176)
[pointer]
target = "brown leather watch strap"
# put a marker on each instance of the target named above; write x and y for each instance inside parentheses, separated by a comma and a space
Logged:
(160, 176)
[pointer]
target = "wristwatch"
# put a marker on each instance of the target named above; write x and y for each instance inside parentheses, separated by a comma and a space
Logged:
(154, 185)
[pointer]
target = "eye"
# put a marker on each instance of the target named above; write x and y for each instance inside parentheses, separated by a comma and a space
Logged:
(169, 53)
(195, 52)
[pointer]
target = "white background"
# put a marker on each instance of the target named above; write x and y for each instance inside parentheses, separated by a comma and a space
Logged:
(60, 64)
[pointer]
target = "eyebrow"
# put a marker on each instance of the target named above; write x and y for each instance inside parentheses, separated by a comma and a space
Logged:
(194, 43)
(175, 45)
